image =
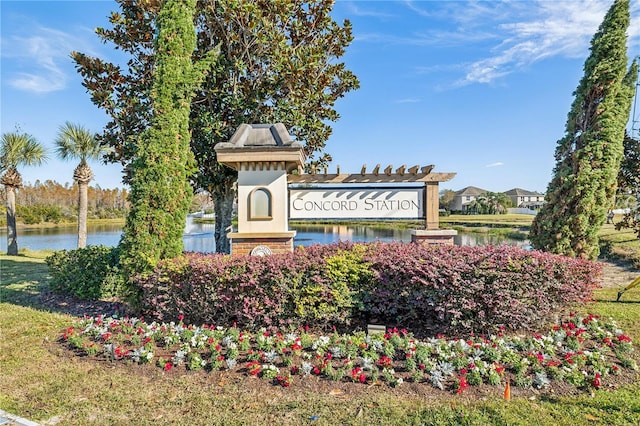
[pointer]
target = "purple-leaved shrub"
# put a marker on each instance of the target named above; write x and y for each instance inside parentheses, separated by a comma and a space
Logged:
(447, 289)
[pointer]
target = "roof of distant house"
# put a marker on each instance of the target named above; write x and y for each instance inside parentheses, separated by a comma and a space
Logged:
(471, 190)
(519, 192)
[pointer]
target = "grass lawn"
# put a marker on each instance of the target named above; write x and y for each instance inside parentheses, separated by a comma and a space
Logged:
(494, 220)
(42, 381)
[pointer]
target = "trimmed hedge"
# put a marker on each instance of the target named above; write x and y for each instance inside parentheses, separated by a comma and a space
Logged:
(443, 288)
(87, 273)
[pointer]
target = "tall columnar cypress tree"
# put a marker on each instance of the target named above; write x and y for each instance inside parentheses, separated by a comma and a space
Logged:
(588, 156)
(160, 190)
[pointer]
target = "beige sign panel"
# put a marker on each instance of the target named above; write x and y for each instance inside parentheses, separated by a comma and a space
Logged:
(356, 203)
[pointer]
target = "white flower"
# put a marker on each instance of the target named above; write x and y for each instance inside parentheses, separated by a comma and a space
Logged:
(270, 356)
(178, 357)
(320, 342)
(306, 367)
(540, 380)
(446, 368)
(366, 363)
(290, 338)
(437, 379)
(136, 354)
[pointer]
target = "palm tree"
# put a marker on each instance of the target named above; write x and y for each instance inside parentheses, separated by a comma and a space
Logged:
(76, 142)
(16, 149)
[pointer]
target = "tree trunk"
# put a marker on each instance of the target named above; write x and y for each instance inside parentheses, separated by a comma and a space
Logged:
(223, 204)
(82, 214)
(12, 234)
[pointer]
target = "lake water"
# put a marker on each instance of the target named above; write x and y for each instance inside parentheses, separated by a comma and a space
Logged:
(198, 237)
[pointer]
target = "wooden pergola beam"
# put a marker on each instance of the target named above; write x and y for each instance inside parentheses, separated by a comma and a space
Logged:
(358, 178)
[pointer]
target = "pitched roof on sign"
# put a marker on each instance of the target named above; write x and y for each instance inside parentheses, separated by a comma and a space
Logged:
(260, 135)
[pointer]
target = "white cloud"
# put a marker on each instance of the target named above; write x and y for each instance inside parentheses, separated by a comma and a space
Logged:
(562, 28)
(358, 11)
(496, 164)
(39, 61)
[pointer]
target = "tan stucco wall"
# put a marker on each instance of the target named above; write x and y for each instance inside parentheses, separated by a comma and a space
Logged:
(275, 180)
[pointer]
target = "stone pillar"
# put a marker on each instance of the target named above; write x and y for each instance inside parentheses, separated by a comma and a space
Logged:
(432, 234)
(262, 154)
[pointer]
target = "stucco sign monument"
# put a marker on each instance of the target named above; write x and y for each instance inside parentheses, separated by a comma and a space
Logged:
(272, 189)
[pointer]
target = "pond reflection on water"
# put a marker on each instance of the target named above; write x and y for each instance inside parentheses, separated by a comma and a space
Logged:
(198, 237)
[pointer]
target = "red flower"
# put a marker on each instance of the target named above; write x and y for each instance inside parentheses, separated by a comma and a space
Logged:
(356, 372)
(362, 378)
(253, 367)
(385, 361)
(168, 366)
(68, 333)
(180, 317)
(596, 381)
(120, 352)
(623, 338)
(462, 384)
(284, 381)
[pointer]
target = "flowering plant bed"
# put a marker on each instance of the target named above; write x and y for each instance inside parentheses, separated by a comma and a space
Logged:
(582, 351)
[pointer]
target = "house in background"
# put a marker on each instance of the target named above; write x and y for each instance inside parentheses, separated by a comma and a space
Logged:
(524, 199)
(466, 196)
(521, 198)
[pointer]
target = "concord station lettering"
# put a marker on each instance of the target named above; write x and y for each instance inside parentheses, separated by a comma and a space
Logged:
(356, 203)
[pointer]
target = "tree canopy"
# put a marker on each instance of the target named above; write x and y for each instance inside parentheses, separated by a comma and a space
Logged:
(278, 62)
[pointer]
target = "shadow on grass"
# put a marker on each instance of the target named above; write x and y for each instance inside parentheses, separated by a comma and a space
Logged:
(26, 283)
(22, 281)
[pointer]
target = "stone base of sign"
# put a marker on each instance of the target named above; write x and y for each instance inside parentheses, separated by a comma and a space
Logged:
(261, 244)
(433, 237)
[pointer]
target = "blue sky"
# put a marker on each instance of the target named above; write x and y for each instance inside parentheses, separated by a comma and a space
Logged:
(477, 88)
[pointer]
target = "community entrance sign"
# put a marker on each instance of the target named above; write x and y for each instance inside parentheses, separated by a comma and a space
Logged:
(272, 189)
(356, 203)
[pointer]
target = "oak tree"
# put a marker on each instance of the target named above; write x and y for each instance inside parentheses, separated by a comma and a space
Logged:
(279, 62)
